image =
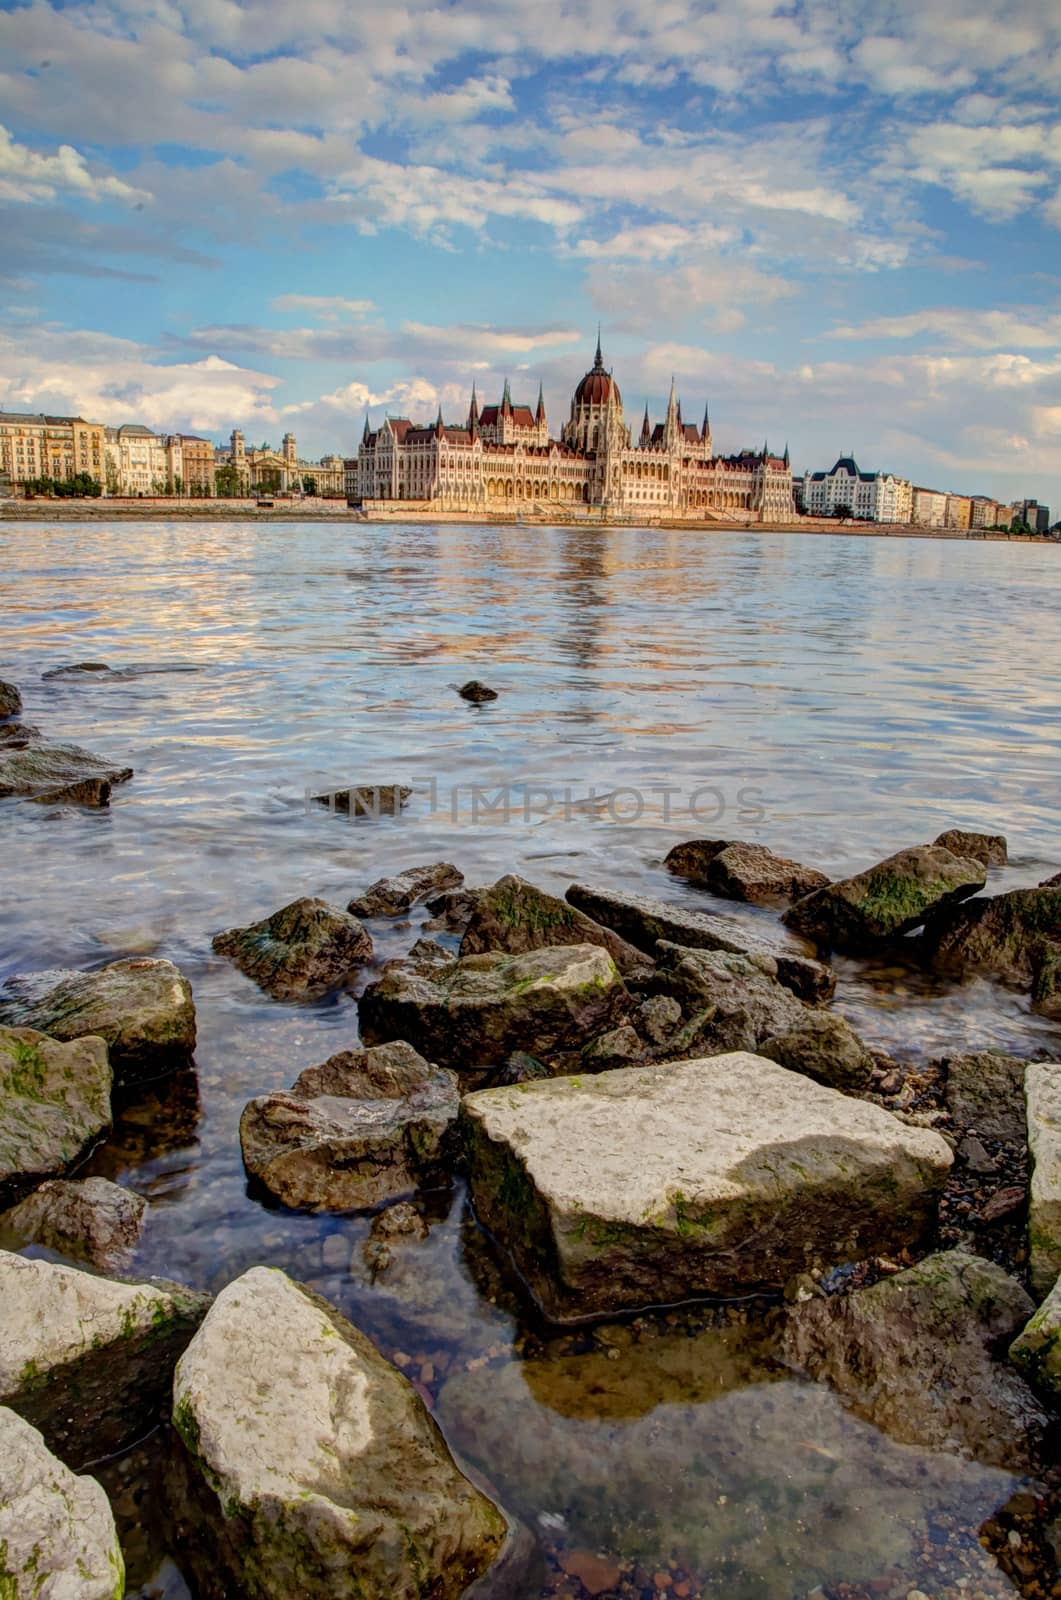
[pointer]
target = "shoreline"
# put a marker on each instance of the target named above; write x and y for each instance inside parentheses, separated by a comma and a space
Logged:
(249, 511)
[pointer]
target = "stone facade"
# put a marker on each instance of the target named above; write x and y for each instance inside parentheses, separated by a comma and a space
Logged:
(268, 471)
(502, 458)
(33, 445)
(873, 496)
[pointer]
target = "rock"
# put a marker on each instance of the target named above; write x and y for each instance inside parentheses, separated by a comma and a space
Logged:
(1047, 883)
(1036, 1351)
(401, 1221)
(515, 916)
(913, 1354)
(897, 895)
(142, 1008)
(89, 1219)
(57, 1535)
(990, 848)
(35, 769)
(368, 800)
(521, 1068)
(658, 1016)
(617, 1048)
(1042, 1089)
(740, 871)
(974, 1155)
(18, 733)
(1002, 1204)
(1015, 937)
(363, 1127)
(10, 699)
(427, 955)
(76, 669)
(310, 1466)
(826, 1048)
(55, 1103)
(644, 921)
(482, 1007)
(726, 984)
(451, 912)
(389, 897)
(302, 950)
(113, 1346)
(985, 1091)
(722, 1176)
(476, 692)
(90, 792)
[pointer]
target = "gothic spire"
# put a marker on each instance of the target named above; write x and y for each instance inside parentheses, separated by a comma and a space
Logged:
(540, 413)
(439, 424)
(598, 359)
(787, 457)
(646, 427)
(706, 433)
(365, 434)
(506, 398)
(473, 409)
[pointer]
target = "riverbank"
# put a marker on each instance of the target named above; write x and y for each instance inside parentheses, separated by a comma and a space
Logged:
(334, 511)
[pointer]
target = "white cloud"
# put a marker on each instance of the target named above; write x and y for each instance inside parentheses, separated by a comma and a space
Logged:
(330, 308)
(26, 175)
(960, 326)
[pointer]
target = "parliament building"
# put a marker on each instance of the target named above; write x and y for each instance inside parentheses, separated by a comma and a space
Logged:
(503, 459)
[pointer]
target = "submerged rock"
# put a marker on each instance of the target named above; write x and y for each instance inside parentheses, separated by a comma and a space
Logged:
(55, 1103)
(1015, 937)
(720, 1177)
(142, 1008)
(478, 1010)
(913, 1354)
(897, 895)
(516, 916)
(310, 1466)
(35, 769)
(826, 1048)
(985, 1091)
(367, 800)
(476, 692)
(302, 950)
(362, 1128)
(644, 922)
(89, 1219)
(77, 669)
(1042, 1088)
(740, 871)
(57, 1535)
(990, 848)
(389, 897)
(89, 792)
(10, 699)
(88, 1360)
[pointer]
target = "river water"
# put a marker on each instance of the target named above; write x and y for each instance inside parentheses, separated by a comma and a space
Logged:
(835, 697)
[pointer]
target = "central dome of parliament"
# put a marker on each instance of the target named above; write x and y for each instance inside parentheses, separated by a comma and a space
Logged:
(598, 386)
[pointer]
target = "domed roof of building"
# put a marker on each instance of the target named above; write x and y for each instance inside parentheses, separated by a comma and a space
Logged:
(598, 386)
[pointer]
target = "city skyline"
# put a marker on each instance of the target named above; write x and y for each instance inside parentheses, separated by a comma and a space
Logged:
(835, 224)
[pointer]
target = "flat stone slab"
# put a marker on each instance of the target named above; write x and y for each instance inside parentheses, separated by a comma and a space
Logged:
(55, 1103)
(89, 1360)
(1042, 1091)
(1036, 1351)
(712, 1177)
(740, 871)
(985, 1092)
(310, 1466)
(35, 768)
(644, 921)
(141, 1008)
(57, 1535)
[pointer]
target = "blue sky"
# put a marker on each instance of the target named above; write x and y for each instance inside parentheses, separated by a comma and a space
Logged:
(837, 220)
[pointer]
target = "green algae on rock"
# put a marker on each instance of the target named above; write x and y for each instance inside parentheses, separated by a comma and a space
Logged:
(307, 1465)
(142, 1008)
(861, 913)
(1042, 1090)
(516, 916)
(1014, 936)
(300, 951)
(57, 1533)
(723, 1176)
(1036, 1351)
(55, 1103)
(88, 1360)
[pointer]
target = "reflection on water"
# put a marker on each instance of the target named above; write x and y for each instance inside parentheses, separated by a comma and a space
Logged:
(872, 691)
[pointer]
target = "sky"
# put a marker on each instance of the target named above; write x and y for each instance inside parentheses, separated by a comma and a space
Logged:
(838, 222)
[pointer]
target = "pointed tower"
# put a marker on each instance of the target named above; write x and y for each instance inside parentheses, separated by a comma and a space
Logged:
(506, 401)
(787, 458)
(646, 428)
(473, 413)
(539, 417)
(670, 427)
(598, 359)
(366, 432)
(440, 426)
(705, 431)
